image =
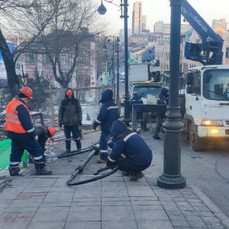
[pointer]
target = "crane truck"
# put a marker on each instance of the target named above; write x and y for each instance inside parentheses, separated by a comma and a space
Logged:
(206, 114)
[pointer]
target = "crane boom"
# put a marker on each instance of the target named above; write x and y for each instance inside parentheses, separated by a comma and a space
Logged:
(210, 50)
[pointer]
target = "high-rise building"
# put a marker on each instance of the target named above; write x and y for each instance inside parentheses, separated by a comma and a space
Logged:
(136, 18)
(143, 22)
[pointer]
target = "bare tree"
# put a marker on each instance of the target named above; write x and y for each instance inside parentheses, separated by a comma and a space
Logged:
(65, 32)
(27, 19)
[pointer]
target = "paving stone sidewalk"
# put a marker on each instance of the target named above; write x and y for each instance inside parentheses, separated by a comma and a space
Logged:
(31, 202)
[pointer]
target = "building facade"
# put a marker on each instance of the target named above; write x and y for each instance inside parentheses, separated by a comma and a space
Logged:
(84, 74)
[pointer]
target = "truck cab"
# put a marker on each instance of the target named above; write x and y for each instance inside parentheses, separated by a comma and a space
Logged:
(148, 91)
(207, 104)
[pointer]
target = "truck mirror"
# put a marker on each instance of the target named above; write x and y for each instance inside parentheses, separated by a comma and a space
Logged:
(189, 89)
(189, 78)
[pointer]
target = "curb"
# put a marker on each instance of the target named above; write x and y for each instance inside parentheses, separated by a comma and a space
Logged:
(215, 210)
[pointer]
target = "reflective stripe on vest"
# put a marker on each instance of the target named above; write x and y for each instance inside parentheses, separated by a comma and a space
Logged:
(12, 121)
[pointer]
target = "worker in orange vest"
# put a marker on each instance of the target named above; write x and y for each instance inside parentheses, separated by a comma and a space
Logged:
(21, 131)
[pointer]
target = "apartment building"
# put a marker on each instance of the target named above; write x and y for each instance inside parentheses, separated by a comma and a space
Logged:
(84, 74)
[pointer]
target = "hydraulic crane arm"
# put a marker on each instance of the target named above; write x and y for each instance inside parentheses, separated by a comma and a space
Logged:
(210, 50)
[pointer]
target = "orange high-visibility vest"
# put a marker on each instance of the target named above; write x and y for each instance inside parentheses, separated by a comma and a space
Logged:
(12, 121)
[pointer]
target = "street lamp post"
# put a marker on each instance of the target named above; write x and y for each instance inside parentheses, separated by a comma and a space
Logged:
(102, 10)
(118, 76)
(171, 177)
(127, 97)
(115, 49)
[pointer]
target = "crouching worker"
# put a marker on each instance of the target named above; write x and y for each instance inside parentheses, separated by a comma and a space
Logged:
(21, 131)
(129, 152)
(43, 133)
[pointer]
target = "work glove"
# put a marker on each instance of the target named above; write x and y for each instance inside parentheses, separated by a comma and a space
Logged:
(60, 124)
(110, 163)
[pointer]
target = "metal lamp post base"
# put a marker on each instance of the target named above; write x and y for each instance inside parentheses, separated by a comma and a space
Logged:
(171, 182)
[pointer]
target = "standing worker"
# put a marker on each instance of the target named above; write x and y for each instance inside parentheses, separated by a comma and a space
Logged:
(70, 115)
(107, 115)
(162, 99)
(21, 131)
(129, 152)
(43, 133)
(137, 100)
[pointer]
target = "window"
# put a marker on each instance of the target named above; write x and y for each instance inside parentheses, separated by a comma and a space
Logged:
(196, 82)
(31, 58)
(216, 84)
(47, 60)
(64, 59)
(227, 52)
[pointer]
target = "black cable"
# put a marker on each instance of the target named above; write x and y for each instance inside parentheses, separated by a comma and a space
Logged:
(113, 170)
(80, 168)
(77, 152)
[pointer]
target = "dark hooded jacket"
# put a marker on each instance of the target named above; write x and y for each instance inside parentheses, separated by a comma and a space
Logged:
(163, 98)
(108, 112)
(129, 145)
(70, 112)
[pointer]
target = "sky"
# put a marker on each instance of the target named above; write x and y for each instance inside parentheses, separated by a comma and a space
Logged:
(159, 10)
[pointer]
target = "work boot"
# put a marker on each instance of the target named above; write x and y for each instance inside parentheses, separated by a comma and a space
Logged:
(101, 161)
(14, 170)
(103, 158)
(41, 170)
(125, 174)
(68, 147)
(78, 145)
(68, 151)
(156, 137)
(136, 176)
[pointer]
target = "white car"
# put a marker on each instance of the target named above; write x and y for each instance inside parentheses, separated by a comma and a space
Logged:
(122, 77)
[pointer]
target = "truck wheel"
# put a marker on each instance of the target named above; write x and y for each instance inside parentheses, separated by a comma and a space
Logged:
(194, 140)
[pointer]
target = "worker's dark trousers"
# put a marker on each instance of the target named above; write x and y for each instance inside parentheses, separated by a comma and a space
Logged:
(30, 145)
(127, 165)
(104, 138)
(76, 135)
(159, 123)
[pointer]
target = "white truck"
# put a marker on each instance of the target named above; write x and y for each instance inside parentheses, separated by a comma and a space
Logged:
(207, 104)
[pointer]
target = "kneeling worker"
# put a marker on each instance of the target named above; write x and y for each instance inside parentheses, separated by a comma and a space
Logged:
(129, 151)
(43, 133)
(21, 131)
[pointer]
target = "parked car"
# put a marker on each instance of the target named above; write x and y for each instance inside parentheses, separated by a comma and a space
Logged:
(122, 77)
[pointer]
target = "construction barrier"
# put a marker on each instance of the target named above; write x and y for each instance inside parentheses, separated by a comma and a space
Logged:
(5, 150)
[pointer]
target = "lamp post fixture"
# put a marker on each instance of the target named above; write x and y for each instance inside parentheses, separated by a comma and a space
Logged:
(124, 15)
(115, 49)
(171, 177)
